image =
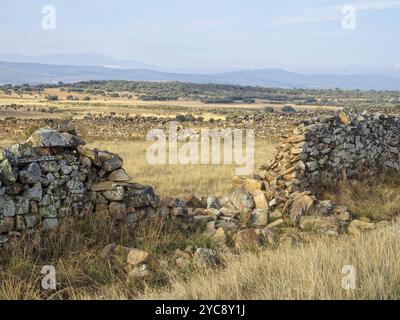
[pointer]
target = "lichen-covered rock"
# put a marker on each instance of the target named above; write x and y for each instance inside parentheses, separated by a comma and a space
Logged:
(34, 193)
(7, 206)
(112, 164)
(141, 196)
(8, 173)
(325, 151)
(115, 194)
(46, 138)
(22, 150)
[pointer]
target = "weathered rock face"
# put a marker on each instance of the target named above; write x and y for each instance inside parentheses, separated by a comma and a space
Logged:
(69, 180)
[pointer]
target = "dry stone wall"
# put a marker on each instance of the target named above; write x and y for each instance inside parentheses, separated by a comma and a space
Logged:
(109, 127)
(324, 151)
(53, 176)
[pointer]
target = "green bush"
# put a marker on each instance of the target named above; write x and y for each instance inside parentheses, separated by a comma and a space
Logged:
(288, 109)
(180, 118)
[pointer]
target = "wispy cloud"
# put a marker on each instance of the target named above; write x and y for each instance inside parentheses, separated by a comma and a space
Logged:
(332, 13)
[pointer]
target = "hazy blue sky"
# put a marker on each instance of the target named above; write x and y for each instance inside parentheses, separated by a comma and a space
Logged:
(304, 36)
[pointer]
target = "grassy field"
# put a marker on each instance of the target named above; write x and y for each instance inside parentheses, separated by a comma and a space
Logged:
(106, 105)
(309, 268)
(180, 180)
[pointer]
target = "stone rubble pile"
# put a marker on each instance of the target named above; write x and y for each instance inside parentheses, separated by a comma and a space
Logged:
(53, 175)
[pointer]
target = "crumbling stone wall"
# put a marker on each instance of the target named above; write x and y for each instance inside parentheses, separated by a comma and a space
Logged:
(53, 176)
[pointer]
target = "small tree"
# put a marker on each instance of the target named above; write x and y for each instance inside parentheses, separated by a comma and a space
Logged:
(180, 118)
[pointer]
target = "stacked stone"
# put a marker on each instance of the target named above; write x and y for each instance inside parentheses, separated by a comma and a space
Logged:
(54, 176)
(107, 126)
(321, 153)
(325, 151)
(272, 124)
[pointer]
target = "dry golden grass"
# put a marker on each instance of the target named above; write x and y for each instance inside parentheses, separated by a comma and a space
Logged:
(180, 180)
(307, 270)
(311, 269)
(382, 193)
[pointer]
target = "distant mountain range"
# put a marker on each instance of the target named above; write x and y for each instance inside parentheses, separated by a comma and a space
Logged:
(65, 69)
(77, 59)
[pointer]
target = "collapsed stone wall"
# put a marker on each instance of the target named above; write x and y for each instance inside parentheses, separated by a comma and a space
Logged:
(53, 176)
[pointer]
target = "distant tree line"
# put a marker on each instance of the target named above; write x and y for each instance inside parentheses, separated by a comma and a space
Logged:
(214, 93)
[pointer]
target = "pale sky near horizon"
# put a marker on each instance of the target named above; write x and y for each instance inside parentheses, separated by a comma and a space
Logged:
(303, 36)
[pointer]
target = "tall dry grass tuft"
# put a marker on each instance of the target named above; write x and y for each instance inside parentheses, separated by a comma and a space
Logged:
(377, 199)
